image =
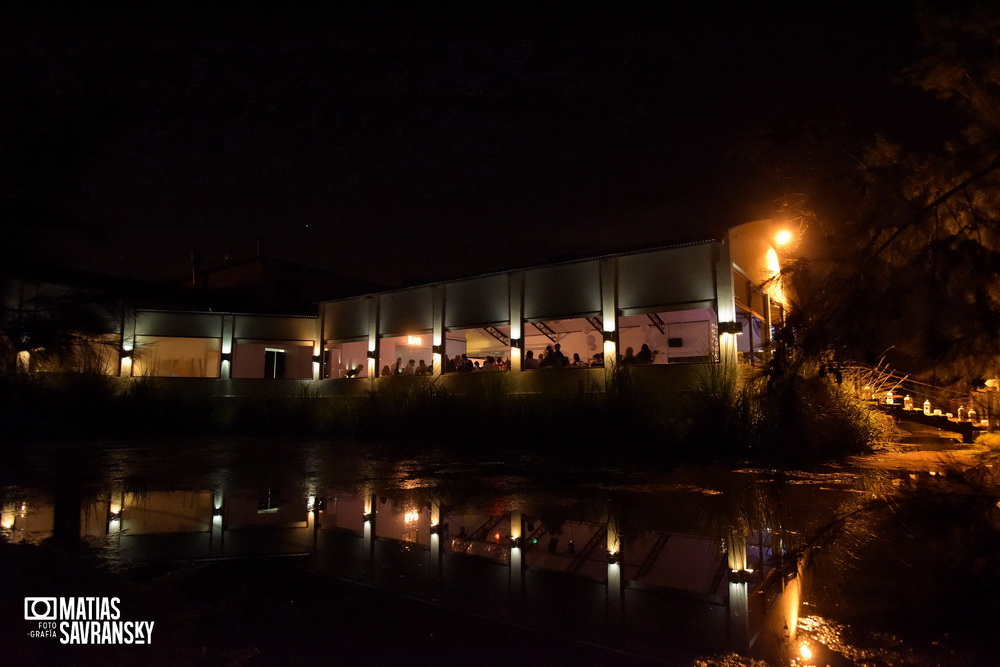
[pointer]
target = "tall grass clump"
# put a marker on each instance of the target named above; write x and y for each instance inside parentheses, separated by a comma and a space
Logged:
(721, 413)
(791, 415)
(405, 406)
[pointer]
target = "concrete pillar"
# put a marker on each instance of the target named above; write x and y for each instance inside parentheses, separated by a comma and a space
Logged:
(435, 553)
(516, 556)
(749, 332)
(216, 546)
(516, 290)
(371, 502)
(725, 299)
(318, 356)
(127, 345)
(438, 294)
(766, 328)
(228, 345)
(609, 312)
(616, 579)
(116, 512)
(738, 599)
(373, 342)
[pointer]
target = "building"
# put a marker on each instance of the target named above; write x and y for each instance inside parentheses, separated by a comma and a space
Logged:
(687, 303)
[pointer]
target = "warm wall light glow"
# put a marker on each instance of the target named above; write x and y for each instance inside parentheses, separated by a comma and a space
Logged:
(7, 517)
(414, 340)
(783, 238)
(610, 353)
(23, 361)
(411, 516)
(772, 265)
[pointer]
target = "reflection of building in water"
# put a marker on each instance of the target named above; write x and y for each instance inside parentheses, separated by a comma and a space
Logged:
(665, 307)
(572, 574)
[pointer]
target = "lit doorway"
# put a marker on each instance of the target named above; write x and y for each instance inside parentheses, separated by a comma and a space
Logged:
(274, 363)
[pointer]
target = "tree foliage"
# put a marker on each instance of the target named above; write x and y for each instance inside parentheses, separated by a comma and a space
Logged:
(904, 252)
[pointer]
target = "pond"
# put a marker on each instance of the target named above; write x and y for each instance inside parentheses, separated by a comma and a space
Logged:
(663, 565)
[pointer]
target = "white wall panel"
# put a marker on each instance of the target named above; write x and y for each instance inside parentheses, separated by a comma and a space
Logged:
(406, 312)
(478, 301)
(346, 320)
(562, 291)
(661, 277)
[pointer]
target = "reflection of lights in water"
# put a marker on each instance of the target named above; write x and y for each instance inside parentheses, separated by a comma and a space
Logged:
(881, 648)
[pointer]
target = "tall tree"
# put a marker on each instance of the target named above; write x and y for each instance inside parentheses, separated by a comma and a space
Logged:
(904, 251)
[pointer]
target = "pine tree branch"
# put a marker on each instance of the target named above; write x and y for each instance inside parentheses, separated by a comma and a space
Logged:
(982, 173)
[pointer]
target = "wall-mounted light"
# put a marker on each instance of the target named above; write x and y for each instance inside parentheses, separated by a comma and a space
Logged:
(316, 358)
(783, 237)
(227, 356)
(614, 557)
(371, 354)
(735, 328)
(740, 576)
(367, 517)
(438, 349)
(516, 343)
(609, 336)
(126, 353)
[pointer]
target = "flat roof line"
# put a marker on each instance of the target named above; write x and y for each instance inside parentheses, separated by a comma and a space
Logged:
(622, 253)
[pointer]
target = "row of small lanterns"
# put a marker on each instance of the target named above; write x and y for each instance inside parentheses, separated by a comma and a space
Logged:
(963, 414)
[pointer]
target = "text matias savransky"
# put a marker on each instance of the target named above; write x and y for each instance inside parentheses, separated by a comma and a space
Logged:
(85, 620)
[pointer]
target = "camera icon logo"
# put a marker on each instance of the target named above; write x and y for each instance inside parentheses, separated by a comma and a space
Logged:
(40, 609)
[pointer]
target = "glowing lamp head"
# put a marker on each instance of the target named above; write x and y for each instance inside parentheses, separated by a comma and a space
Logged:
(805, 652)
(783, 238)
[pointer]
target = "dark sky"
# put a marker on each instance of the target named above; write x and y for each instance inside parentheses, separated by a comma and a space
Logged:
(403, 148)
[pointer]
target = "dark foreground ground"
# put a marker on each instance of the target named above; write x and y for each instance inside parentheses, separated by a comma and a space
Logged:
(264, 612)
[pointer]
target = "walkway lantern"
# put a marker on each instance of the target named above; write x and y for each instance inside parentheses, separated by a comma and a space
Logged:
(907, 402)
(888, 398)
(973, 415)
(961, 413)
(927, 407)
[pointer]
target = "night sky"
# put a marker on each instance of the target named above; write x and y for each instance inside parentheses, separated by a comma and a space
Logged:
(407, 148)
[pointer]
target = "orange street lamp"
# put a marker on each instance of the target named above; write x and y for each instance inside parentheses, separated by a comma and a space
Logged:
(783, 238)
